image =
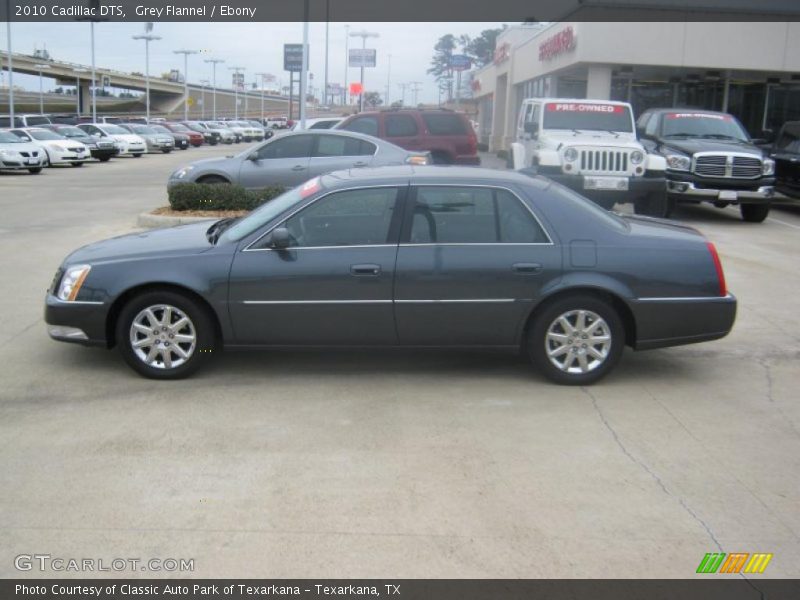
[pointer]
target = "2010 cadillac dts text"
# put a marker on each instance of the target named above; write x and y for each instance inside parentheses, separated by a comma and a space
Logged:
(400, 256)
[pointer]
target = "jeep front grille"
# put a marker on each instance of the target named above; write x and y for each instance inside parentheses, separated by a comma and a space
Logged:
(725, 165)
(604, 161)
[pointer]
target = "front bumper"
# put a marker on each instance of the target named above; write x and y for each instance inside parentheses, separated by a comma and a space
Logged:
(637, 186)
(697, 191)
(68, 157)
(76, 322)
(663, 322)
(104, 152)
(21, 162)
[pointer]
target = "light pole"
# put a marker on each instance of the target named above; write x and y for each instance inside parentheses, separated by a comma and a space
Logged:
(415, 87)
(94, 75)
(203, 84)
(304, 67)
(388, 79)
(214, 62)
(327, 27)
(11, 121)
(186, 54)
(346, 61)
(263, 78)
(363, 35)
(41, 67)
(236, 70)
(147, 37)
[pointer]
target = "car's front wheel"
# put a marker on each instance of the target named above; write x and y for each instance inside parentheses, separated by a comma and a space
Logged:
(35, 170)
(165, 335)
(576, 340)
(137, 155)
(754, 213)
(77, 164)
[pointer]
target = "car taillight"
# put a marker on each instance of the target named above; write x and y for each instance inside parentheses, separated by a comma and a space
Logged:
(723, 290)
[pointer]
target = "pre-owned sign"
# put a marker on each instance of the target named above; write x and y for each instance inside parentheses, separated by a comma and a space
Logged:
(563, 41)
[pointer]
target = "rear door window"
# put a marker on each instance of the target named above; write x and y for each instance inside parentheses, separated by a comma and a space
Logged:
(444, 124)
(339, 145)
(366, 125)
(400, 126)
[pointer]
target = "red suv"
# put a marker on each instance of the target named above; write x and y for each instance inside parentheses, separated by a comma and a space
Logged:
(447, 135)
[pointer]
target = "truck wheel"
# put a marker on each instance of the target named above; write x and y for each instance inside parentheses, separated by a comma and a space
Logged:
(754, 213)
(656, 204)
(607, 203)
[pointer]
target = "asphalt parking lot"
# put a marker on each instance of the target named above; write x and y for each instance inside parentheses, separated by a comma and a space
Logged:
(396, 464)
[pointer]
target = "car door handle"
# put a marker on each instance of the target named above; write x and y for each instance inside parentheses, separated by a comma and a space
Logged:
(365, 270)
(298, 168)
(360, 164)
(526, 267)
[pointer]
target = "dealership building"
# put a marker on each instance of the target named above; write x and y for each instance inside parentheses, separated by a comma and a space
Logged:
(749, 69)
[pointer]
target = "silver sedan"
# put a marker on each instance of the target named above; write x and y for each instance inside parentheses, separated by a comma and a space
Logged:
(293, 158)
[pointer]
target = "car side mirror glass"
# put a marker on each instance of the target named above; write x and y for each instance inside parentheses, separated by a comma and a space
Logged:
(532, 128)
(280, 238)
(253, 156)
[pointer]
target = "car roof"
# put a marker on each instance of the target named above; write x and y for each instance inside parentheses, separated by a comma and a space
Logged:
(686, 109)
(454, 175)
(581, 100)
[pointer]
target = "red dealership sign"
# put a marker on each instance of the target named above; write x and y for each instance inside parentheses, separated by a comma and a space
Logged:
(563, 41)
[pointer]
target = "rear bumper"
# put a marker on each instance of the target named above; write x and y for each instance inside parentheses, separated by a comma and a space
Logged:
(663, 322)
(76, 322)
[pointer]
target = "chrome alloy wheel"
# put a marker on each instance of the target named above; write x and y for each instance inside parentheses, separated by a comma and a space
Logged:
(163, 337)
(578, 341)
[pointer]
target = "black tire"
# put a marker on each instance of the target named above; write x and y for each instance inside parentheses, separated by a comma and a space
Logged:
(441, 158)
(166, 151)
(607, 203)
(139, 155)
(104, 158)
(77, 164)
(537, 343)
(213, 180)
(201, 327)
(35, 170)
(754, 213)
(213, 142)
(721, 204)
(655, 204)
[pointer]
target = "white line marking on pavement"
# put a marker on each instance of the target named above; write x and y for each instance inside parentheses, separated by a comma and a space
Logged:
(783, 223)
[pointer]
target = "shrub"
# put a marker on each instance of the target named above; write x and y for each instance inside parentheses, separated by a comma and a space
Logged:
(206, 196)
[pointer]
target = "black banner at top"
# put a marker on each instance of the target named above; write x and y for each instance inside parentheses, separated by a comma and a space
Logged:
(399, 10)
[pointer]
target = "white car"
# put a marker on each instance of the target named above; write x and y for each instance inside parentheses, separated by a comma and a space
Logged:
(277, 122)
(16, 154)
(320, 123)
(58, 149)
(127, 142)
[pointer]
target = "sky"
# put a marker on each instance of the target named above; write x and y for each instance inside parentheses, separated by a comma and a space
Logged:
(258, 47)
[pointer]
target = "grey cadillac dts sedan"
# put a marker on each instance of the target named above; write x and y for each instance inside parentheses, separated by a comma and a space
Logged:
(400, 256)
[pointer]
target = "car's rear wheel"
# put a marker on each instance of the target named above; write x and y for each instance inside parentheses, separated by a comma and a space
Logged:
(754, 213)
(77, 164)
(576, 340)
(166, 151)
(104, 158)
(656, 204)
(165, 335)
(138, 155)
(35, 170)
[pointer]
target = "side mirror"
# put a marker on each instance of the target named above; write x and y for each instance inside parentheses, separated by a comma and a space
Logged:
(765, 138)
(279, 238)
(532, 128)
(253, 156)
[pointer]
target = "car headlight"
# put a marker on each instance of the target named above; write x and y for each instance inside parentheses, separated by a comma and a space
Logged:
(59, 147)
(72, 281)
(768, 168)
(637, 157)
(679, 162)
(182, 172)
(9, 153)
(570, 155)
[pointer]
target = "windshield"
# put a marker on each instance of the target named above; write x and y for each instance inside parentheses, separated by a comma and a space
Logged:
(115, 130)
(176, 127)
(9, 138)
(142, 129)
(712, 125)
(587, 117)
(215, 126)
(268, 211)
(160, 129)
(43, 134)
(71, 132)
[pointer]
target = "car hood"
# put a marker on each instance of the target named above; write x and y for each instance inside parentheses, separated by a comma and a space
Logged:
(21, 147)
(153, 244)
(126, 137)
(690, 146)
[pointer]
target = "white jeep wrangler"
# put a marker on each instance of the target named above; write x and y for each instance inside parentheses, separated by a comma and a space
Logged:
(591, 147)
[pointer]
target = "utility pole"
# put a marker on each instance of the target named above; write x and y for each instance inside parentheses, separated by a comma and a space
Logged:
(236, 70)
(327, 27)
(203, 84)
(304, 67)
(40, 68)
(388, 79)
(402, 87)
(415, 88)
(214, 62)
(10, 68)
(186, 54)
(346, 61)
(147, 37)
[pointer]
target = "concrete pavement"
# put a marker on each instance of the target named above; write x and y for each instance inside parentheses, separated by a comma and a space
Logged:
(392, 464)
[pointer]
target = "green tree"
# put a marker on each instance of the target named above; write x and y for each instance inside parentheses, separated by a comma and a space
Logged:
(481, 48)
(440, 63)
(372, 99)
